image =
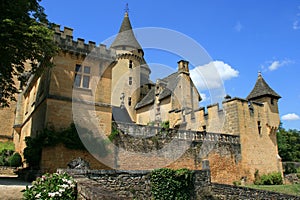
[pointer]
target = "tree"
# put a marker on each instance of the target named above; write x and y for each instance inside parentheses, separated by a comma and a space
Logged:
(25, 36)
(288, 144)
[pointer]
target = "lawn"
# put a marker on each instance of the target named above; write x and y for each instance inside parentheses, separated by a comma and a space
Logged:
(7, 145)
(287, 189)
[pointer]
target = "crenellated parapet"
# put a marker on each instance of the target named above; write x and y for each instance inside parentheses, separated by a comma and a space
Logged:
(64, 38)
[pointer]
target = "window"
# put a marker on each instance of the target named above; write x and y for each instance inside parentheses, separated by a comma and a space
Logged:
(129, 101)
(259, 127)
(82, 76)
(130, 64)
(204, 128)
(130, 81)
(272, 101)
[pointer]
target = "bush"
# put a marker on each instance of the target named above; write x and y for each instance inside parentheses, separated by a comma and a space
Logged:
(5, 155)
(289, 168)
(172, 184)
(52, 186)
(15, 160)
(273, 178)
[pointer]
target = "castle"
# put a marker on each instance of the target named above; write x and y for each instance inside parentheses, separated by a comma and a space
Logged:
(244, 129)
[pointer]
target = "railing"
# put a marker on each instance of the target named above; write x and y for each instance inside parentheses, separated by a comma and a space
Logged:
(145, 131)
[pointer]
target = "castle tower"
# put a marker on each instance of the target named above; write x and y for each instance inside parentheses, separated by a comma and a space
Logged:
(130, 71)
(263, 93)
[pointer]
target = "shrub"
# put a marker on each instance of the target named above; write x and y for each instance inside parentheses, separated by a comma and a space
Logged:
(52, 186)
(273, 178)
(172, 184)
(15, 160)
(5, 154)
(289, 168)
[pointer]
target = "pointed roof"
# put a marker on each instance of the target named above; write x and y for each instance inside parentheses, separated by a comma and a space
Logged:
(261, 89)
(126, 36)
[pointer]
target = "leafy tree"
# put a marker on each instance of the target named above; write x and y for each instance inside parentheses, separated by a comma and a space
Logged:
(25, 36)
(288, 144)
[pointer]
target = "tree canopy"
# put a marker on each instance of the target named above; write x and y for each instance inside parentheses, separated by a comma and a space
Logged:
(25, 36)
(288, 144)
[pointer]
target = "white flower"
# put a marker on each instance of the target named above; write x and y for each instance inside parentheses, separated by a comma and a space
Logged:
(51, 194)
(64, 186)
(38, 195)
(61, 190)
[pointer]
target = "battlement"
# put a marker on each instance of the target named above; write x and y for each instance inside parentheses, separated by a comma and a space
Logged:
(64, 38)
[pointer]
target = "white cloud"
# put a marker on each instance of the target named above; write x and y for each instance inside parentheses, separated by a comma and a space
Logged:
(204, 97)
(238, 27)
(296, 25)
(276, 64)
(290, 116)
(212, 75)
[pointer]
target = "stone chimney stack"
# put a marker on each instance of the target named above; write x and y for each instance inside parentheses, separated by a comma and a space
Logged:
(183, 66)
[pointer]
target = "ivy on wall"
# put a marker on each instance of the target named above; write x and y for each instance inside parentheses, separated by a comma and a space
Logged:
(168, 184)
(49, 137)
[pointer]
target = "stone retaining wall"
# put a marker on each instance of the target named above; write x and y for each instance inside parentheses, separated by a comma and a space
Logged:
(113, 184)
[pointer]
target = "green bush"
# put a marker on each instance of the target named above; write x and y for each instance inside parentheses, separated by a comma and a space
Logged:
(289, 168)
(168, 184)
(15, 160)
(273, 178)
(52, 186)
(5, 154)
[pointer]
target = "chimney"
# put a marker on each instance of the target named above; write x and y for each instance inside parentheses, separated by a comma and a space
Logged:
(183, 66)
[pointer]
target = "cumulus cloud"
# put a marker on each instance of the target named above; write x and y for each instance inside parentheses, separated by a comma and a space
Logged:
(212, 75)
(276, 64)
(290, 116)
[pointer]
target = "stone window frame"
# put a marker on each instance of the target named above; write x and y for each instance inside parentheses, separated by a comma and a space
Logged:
(82, 76)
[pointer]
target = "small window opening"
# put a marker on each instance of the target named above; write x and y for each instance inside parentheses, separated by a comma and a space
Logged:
(129, 101)
(130, 81)
(259, 127)
(130, 64)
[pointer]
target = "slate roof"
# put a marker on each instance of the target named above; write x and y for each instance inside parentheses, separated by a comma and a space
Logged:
(121, 115)
(126, 36)
(148, 99)
(261, 89)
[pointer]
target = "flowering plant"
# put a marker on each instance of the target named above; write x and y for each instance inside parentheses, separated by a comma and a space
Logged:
(52, 186)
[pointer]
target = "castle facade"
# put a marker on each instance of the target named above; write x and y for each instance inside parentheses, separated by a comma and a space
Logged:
(125, 94)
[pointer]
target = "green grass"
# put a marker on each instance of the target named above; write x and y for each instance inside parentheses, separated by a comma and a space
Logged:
(7, 145)
(286, 189)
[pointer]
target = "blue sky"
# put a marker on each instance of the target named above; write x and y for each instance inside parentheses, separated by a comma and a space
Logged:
(241, 37)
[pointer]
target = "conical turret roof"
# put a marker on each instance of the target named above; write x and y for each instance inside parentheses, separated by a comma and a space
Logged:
(261, 89)
(126, 36)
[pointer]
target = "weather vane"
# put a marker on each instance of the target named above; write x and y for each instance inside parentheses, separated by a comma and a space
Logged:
(126, 8)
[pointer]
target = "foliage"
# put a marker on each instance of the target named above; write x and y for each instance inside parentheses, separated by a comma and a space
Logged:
(237, 183)
(114, 133)
(288, 144)
(15, 160)
(165, 125)
(49, 137)
(52, 186)
(7, 145)
(289, 168)
(273, 178)
(172, 184)
(5, 154)
(25, 36)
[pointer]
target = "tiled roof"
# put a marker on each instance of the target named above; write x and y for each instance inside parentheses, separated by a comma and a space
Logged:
(126, 36)
(261, 88)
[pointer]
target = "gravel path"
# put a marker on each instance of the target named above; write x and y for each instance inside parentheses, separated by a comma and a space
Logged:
(11, 187)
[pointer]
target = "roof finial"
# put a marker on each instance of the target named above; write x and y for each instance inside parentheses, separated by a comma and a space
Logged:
(126, 9)
(259, 73)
